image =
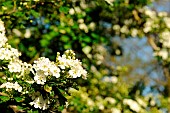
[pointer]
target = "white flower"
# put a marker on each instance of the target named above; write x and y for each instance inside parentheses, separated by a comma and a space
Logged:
(40, 77)
(162, 53)
(84, 27)
(112, 79)
(132, 104)
(115, 110)
(26, 68)
(165, 38)
(80, 21)
(55, 71)
(167, 21)
(148, 25)
(44, 67)
(90, 102)
(162, 14)
(150, 13)
(76, 69)
(110, 2)
(2, 28)
(17, 32)
(141, 102)
(110, 100)
(8, 53)
(16, 86)
(3, 40)
(37, 102)
(128, 21)
(15, 66)
(69, 62)
(40, 103)
(116, 27)
(124, 29)
(63, 62)
(27, 33)
(147, 29)
(134, 32)
(10, 85)
(92, 26)
(100, 106)
(29, 81)
(71, 11)
(77, 9)
(42, 64)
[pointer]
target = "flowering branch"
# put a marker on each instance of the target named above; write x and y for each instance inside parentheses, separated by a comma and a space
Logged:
(41, 85)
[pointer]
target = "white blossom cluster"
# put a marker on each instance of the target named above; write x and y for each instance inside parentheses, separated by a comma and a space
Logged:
(126, 105)
(9, 86)
(165, 39)
(3, 38)
(80, 10)
(125, 29)
(42, 70)
(161, 21)
(10, 54)
(75, 66)
(132, 104)
(164, 36)
(44, 67)
(155, 22)
(164, 51)
(6, 51)
(19, 66)
(151, 21)
(112, 79)
(39, 102)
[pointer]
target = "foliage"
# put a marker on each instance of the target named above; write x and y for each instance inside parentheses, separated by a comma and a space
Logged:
(42, 85)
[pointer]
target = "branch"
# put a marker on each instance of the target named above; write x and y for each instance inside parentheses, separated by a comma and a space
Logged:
(152, 43)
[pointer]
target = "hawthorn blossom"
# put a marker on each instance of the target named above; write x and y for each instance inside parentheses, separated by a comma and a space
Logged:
(40, 77)
(42, 68)
(163, 53)
(68, 61)
(9, 53)
(15, 66)
(9, 85)
(40, 103)
(132, 104)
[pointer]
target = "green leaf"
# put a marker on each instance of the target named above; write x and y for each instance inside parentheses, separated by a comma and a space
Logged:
(20, 108)
(44, 42)
(18, 99)
(86, 39)
(60, 108)
(19, 14)
(31, 111)
(64, 38)
(52, 34)
(64, 9)
(94, 35)
(67, 46)
(52, 93)
(34, 13)
(4, 98)
(7, 3)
